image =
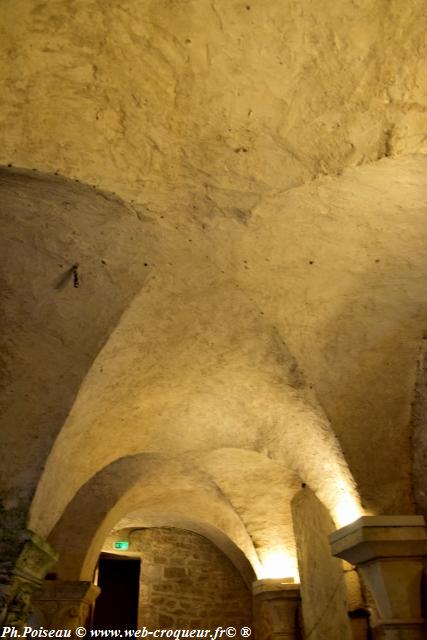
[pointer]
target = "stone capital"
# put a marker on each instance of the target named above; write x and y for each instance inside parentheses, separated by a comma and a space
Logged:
(25, 558)
(276, 608)
(389, 551)
(373, 537)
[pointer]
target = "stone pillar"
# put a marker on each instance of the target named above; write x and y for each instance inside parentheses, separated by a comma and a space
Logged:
(65, 604)
(25, 558)
(389, 553)
(276, 610)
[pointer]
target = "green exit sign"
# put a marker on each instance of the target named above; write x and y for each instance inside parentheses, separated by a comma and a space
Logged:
(123, 545)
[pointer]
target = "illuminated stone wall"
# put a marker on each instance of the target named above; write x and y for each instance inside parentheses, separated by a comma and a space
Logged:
(323, 590)
(186, 582)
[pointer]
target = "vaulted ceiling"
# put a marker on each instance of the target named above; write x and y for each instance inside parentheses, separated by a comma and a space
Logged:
(237, 308)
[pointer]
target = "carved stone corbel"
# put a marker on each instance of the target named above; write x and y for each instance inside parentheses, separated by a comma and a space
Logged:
(25, 558)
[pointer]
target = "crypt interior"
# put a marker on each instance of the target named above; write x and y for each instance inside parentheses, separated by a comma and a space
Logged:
(214, 316)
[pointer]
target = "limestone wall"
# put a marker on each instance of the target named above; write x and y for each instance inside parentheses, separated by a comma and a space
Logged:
(186, 582)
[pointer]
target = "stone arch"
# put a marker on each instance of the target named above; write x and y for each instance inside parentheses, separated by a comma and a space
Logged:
(218, 494)
(204, 374)
(107, 498)
(224, 186)
(156, 518)
(253, 353)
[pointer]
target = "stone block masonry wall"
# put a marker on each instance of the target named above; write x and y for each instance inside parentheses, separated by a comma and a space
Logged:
(187, 583)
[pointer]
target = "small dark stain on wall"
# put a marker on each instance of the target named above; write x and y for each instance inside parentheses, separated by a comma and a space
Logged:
(72, 273)
(76, 279)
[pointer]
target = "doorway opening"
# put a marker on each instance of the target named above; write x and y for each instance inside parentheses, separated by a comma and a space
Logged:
(117, 605)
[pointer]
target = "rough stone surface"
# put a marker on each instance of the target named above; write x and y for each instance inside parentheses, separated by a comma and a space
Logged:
(249, 317)
(187, 583)
(323, 589)
(212, 102)
(354, 322)
(52, 329)
(236, 355)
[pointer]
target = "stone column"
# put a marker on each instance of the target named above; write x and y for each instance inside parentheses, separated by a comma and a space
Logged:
(62, 604)
(25, 558)
(276, 609)
(389, 553)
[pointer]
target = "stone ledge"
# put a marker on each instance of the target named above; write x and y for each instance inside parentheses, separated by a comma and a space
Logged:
(378, 521)
(275, 585)
(407, 622)
(374, 537)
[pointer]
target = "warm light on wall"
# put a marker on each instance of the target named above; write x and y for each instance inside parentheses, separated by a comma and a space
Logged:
(347, 510)
(278, 563)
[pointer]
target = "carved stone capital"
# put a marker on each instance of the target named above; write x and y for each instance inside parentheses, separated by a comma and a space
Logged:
(389, 552)
(25, 558)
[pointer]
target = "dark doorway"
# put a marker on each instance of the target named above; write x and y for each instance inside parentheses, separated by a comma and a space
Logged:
(117, 605)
